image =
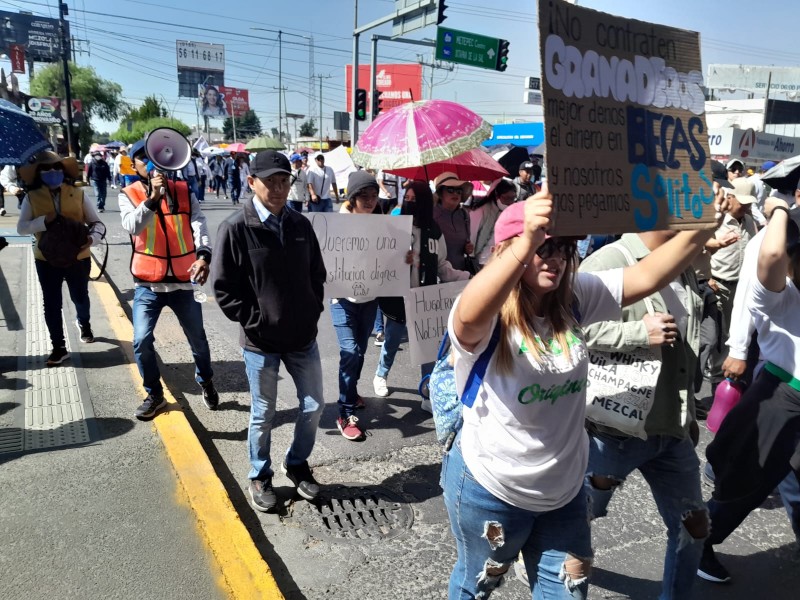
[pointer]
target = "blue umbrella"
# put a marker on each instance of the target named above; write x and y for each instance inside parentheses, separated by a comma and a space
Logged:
(110, 145)
(20, 138)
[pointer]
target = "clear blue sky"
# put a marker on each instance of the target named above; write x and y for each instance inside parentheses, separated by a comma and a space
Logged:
(731, 32)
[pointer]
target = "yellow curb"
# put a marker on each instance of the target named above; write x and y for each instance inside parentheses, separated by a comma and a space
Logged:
(245, 574)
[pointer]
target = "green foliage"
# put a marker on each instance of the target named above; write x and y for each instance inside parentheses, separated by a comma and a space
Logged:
(307, 128)
(140, 128)
(151, 108)
(99, 97)
(247, 126)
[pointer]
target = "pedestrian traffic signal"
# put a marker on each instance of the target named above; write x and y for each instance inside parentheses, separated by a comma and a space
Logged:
(361, 104)
(502, 55)
(376, 103)
(440, 16)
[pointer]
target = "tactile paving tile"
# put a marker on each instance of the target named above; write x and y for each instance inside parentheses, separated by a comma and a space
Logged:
(54, 413)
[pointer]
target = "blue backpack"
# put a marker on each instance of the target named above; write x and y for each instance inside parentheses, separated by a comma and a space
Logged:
(446, 405)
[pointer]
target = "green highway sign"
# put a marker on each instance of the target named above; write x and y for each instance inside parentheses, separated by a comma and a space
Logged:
(467, 48)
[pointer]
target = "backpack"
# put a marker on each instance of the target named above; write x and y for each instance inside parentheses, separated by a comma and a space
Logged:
(446, 405)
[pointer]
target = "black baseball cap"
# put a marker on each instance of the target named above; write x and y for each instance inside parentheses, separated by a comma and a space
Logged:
(269, 162)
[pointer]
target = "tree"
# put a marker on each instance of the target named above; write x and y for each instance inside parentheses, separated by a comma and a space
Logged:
(151, 108)
(99, 97)
(141, 128)
(247, 126)
(307, 128)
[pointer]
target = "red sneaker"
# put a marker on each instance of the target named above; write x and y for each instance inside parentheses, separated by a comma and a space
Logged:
(349, 428)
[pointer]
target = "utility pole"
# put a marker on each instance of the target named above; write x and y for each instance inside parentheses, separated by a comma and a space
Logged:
(354, 83)
(321, 77)
(63, 11)
(280, 84)
(233, 122)
(374, 59)
(434, 64)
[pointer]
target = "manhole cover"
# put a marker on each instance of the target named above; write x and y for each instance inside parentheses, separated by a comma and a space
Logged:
(355, 512)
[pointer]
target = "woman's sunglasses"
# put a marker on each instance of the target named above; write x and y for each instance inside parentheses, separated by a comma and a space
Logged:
(452, 190)
(556, 247)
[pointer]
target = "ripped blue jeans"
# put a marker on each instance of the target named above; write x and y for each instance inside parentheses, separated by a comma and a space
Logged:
(490, 534)
(672, 470)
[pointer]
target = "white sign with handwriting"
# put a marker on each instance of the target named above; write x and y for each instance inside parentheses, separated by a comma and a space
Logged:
(427, 311)
(365, 255)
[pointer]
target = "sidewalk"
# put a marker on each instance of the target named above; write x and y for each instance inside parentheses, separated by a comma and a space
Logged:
(90, 504)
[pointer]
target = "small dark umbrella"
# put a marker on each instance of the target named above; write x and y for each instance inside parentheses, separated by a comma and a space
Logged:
(20, 138)
(512, 159)
(784, 176)
(112, 145)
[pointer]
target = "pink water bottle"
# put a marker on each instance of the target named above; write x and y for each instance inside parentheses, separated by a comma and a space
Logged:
(728, 394)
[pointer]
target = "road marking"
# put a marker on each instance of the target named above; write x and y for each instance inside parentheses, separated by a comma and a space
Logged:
(245, 574)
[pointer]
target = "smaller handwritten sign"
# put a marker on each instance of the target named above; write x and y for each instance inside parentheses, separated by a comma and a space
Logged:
(427, 311)
(365, 255)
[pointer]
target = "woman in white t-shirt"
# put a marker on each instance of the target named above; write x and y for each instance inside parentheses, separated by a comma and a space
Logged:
(758, 443)
(513, 479)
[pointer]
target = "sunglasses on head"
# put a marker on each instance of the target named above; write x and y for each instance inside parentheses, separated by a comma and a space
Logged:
(452, 190)
(556, 247)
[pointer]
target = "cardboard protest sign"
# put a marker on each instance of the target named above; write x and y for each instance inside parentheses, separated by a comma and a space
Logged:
(365, 255)
(627, 143)
(427, 311)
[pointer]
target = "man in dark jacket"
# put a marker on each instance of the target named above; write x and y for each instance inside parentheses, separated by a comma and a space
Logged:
(269, 277)
(99, 174)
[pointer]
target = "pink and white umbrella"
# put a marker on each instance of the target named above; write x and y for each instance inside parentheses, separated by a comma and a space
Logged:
(420, 133)
(238, 147)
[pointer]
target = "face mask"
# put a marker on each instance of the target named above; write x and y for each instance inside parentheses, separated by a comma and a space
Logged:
(52, 179)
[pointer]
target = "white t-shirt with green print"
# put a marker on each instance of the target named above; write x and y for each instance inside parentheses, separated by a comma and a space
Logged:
(524, 438)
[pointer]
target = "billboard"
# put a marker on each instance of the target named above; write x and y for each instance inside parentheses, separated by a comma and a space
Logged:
(751, 145)
(752, 78)
(400, 83)
(211, 102)
(199, 63)
(53, 111)
(39, 36)
(624, 116)
(236, 100)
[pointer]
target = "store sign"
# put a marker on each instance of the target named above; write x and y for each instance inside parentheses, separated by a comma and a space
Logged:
(751, 145)
(398, 84)
(16, 52)
(53, 111)
(199, 64)
(751, 78)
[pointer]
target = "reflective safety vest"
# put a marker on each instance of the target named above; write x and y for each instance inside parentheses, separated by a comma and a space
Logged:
(164, 250)
(71, 205)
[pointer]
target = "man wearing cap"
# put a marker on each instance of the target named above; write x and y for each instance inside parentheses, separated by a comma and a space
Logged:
(298, 183)
(269, 277)
(735, 169)
(321, 180)
(171, 254)
(98, 173)
(726, 263)
(524, 181)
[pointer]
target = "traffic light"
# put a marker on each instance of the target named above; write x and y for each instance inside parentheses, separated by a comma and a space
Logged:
(440, 16)
(361, 104)
(502, 55)
(376, 103)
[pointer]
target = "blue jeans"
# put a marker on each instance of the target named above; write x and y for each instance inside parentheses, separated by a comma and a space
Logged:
(147, 306)
(219, 184)
(378, 327)
(353, 324)
(201, 190)
(191, 181)
(235, 185)
(305, 369)
(672, 470)
(99, 193)
(52, 279)
(392, 334)
(544, 538)
(324, 205)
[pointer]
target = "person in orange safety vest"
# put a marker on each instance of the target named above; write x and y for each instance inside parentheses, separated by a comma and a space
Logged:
(170, 259)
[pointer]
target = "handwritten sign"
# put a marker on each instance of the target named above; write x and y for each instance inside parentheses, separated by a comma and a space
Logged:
(427, 311)
(365, 255)
(627, 143)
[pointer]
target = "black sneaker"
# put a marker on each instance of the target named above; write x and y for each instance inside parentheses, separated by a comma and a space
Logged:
(262, 496)
(57, 356)
(710, 568)
(303, 480)
(210, 395)
(150, 407)
(85, 331)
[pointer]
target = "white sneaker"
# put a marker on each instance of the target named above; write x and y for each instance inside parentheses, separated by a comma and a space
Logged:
(380, 387)
(2, 212)
(426, 405)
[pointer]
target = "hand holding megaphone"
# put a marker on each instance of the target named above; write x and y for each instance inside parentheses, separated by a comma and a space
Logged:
(156, 185)
(168, 150)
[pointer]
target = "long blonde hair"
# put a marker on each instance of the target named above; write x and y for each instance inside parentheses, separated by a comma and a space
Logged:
(518, 312)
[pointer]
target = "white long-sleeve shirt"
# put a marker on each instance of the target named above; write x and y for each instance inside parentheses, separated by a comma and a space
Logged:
(27, 225)
(742, 323)
(136, 218)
